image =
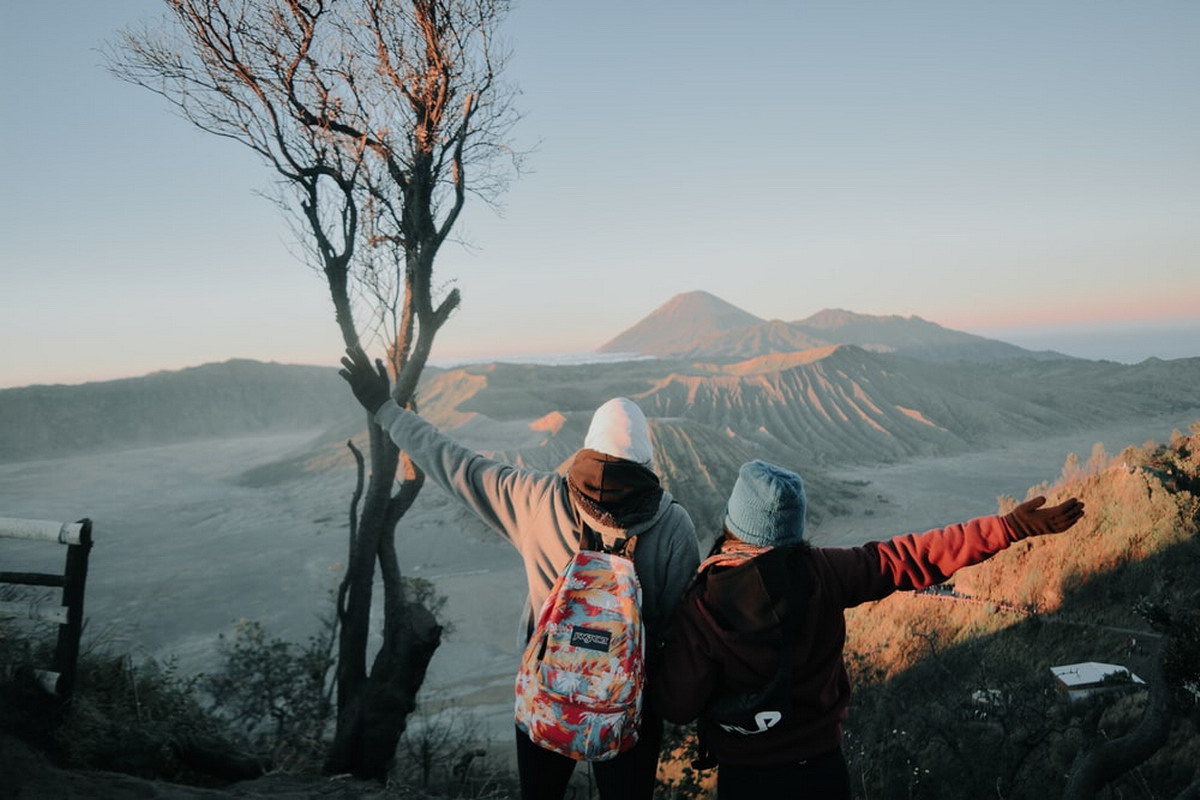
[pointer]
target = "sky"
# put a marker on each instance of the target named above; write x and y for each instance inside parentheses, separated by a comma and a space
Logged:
(1025, 170)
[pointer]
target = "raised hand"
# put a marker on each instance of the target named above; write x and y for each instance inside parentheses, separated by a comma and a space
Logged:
(1030, 519)
(370, 385)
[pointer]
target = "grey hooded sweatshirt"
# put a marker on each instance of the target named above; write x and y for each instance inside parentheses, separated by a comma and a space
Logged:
(535, 512)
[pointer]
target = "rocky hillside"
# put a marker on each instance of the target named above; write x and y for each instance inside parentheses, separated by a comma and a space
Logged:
(1119, 588)
(231, 398)
(701, 326)
(826, 407)
(834, 405)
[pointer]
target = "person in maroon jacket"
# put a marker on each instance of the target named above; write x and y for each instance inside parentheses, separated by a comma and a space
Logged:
(756, 646)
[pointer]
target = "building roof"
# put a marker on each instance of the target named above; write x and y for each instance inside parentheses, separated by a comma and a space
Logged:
(1090, 673)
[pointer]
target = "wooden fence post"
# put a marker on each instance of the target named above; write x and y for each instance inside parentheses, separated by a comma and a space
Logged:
(66, 654)
(77, 537)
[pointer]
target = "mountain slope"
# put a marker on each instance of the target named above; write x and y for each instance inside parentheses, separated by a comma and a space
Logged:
(673, 328)
(828, 407)
(836, 405)
(911, 336)
(700, 326)
(831, 405)
(750, 341)
(1083, 595)
(231, 398)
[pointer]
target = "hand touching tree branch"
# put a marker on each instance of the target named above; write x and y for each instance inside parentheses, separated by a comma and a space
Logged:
(370, 384)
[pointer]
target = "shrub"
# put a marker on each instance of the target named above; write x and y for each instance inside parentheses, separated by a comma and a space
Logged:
(275, 694)
(440, 754)
(126, 714)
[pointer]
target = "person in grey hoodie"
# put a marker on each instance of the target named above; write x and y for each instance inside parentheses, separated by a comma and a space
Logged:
(610, 488)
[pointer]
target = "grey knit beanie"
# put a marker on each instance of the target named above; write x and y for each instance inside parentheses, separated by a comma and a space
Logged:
(767, 505)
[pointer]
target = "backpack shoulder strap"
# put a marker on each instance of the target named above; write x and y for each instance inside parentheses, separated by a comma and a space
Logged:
(624, 547)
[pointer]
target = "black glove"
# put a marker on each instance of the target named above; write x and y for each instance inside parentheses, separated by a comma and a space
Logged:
(370, 385)
(1030, 519)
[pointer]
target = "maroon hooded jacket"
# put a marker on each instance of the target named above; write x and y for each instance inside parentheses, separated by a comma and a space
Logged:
(777, 621)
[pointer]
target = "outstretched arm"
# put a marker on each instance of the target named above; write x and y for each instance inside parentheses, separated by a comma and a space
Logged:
(918, 561)
(504, 497)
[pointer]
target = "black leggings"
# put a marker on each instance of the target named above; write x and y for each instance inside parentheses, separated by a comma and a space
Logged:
(822, 777)
(545, 774)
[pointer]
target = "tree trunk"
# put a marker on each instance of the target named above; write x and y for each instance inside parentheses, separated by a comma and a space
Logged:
(391, 692)
(373, 709)
(355, 601)
(377, 716)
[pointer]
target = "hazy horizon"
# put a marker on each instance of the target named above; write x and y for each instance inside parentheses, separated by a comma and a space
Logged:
(1124, 343)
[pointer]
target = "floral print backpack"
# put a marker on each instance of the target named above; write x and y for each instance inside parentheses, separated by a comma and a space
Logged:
(579, 688)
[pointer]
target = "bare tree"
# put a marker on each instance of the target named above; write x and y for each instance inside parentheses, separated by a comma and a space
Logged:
(1174, 674)
(378, 119)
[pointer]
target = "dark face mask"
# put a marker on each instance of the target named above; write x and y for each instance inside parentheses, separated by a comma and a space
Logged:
(614, 491)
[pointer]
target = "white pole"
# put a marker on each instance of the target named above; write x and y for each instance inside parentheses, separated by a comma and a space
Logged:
(44, 530)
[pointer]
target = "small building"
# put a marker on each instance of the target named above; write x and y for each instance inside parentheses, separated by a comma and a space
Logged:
(1078, 681)
(988, 698)
(985, 702)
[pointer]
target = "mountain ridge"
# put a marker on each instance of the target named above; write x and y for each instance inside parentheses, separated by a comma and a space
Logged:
(229, 398)
(698, 324)
(839, 403)
(815, 410)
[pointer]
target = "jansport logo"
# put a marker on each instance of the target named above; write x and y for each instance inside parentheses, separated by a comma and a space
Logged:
(591, 639)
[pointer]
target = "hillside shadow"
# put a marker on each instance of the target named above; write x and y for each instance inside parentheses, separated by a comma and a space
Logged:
(977, 710)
